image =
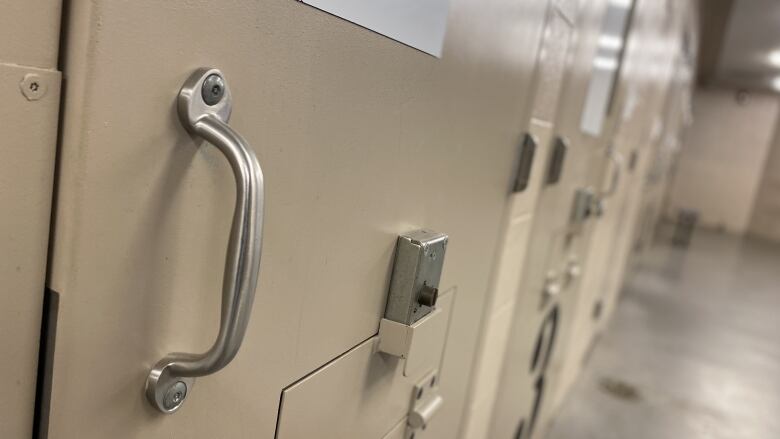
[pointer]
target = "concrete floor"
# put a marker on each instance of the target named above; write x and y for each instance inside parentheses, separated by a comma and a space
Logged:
(693, 350)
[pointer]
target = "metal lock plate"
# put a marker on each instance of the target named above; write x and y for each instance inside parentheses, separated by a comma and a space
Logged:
(414, 286)
(583, 206)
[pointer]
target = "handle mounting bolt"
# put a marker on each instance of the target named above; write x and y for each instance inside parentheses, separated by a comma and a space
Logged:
(213, 89)
(175, 395)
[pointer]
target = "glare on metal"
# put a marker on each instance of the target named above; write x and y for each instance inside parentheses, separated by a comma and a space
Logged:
(604, 63)
(621, 3)
(610, 42)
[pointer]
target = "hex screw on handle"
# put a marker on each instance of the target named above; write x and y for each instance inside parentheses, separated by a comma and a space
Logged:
(213, 89)
(175, 395)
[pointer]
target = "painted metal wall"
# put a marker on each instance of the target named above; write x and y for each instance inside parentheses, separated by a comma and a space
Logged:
(361, 138)
(29, 109)
(549, 342)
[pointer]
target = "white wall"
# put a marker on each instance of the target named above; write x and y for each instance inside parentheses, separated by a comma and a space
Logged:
(722, 158)
(766, 212)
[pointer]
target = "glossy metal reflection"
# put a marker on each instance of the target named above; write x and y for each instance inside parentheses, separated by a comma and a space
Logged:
(170, 380)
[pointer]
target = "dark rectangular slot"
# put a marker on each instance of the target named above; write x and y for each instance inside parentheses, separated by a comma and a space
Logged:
(632, 160)
(51, 305)
(556, 160)
(527, 151)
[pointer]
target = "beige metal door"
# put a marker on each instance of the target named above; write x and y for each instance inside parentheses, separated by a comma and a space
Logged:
(551, 285)
(29, 108)
(360, 139)
(501, 311)
(636, 138)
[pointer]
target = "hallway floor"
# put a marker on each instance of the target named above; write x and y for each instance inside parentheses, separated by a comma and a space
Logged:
(693, 350)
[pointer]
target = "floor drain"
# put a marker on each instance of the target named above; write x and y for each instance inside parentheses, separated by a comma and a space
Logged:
(619, 389)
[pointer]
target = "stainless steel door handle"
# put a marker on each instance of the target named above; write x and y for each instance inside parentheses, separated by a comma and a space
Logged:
(204, 106)
(617, 159)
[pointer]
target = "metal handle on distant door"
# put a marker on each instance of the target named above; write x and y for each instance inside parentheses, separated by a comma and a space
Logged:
(617, 159)
(204, 106)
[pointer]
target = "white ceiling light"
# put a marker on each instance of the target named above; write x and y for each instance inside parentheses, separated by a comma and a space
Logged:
(776, 83)
(774, 58)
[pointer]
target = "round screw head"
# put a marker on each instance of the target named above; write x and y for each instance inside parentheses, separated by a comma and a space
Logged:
(33, 86)
(175, 395)
(213, 89)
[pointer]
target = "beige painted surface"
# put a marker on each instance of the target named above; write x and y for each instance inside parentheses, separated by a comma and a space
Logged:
(549, 250)
(607, 239)
(501, 313)
(398, 432)
(722, 158)
(26, 169)
(361, 394)
(360, 138)
(495, 333)
(677, 118)
(765, 219)
(29, 33)
(655, 78)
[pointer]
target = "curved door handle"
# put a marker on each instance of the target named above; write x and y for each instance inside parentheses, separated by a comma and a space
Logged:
(617, 159)
(204, 106)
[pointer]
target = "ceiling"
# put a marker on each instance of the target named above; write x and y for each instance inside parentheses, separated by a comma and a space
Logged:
(738, 38)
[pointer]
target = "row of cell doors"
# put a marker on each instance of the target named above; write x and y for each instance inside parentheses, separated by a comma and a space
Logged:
(202, 204)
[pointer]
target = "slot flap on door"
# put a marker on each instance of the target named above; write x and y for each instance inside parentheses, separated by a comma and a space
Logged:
(523, 202)
(363, 393)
